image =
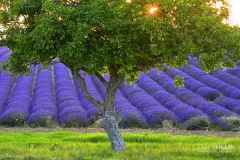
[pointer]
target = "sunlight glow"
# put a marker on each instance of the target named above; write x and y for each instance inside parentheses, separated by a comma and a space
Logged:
(153, 9)
(128, 1)
(21, 19)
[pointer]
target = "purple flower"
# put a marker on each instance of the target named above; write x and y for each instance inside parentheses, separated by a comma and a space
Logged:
(212, 81)
(150, 108)
(228, 78)
(92, 111)
(208, 93)
(131, 118)
(100, 87)
(5, 56)
(235, 72)
(70, 110)
(73, 116)
(229, 103)
(19, 104)
(155, 116)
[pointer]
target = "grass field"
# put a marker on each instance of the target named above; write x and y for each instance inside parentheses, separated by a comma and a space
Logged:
(95, 146)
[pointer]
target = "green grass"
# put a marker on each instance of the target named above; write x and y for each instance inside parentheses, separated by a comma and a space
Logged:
(95, 146)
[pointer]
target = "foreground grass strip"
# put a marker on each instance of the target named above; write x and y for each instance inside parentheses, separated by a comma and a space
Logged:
(67, 145)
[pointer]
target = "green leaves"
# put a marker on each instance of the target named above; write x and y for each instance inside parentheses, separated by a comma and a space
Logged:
(94, 35)
(179, 81)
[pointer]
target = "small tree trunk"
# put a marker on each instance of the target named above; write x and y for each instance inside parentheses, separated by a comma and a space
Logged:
(110, 124)
(109, 119)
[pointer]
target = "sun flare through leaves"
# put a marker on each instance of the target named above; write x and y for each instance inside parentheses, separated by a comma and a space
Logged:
(153, 9)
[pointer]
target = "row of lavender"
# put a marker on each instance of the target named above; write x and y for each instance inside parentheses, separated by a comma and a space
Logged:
(54, 96)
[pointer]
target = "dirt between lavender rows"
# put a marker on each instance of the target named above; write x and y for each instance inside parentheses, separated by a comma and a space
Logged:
(224, 134)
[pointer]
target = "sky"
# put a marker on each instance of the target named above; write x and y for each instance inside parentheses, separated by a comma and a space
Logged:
(235, 12)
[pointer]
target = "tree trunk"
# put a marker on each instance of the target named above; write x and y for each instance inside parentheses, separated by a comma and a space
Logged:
(109, 120)
(110, 124)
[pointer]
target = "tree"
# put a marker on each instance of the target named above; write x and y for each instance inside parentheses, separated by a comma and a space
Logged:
(117, 37)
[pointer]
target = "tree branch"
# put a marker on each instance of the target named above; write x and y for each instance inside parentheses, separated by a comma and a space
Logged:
(115, 81)
(100, 77)
(87, 94)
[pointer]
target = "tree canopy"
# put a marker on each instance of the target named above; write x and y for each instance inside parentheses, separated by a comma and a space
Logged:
(94, 34)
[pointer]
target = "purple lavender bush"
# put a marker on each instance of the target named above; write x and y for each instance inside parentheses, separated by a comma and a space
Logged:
(211, 81)
(92, 111)
(43, 110)
(235, 72)
(212, 111)
(4, 54)
(99, 86)
(195, 86)
(68, 115)
(130, 115)
(163, 79)
(6, 82)
(18, 106)
(153, 111)
(227, 77)
(219, 115)
(229, 103)
(185, 113)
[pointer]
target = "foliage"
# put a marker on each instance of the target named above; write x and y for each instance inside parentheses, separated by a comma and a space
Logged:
(98, 34)
(179, 81)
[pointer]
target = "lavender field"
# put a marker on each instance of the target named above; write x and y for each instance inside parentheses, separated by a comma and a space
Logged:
(53, 95)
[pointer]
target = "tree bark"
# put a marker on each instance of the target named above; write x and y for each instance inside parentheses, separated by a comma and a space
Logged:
(110, 125)
(109, 120)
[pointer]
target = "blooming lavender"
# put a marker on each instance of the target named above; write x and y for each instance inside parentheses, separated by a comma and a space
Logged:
(183, 111)
(213, 82)
(149, 85)
(130, 115)
(92, 111)
(229, 103)
(32, 69)
(235, 72)
(5, 56)
(163, 79)
(18, 106)
(6, 82)
(219, 114)
(227, 77)
(3, 51)
(40, 67)
(70, 110)
(195, 86)
(92, 89)
(43, 109)
(213, 111)
(153, 111)
(154, 99)
(100, 87)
